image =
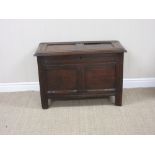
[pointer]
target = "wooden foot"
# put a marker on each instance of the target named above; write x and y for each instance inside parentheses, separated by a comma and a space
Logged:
(44, 102)
(45, 106)
(118, 99)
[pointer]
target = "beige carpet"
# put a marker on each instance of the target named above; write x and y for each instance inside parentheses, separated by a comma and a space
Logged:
(21, 113)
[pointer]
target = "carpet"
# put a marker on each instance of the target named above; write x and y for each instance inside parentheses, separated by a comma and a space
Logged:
(21, 113)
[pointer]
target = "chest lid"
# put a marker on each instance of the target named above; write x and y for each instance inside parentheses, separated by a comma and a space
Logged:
(79, 47)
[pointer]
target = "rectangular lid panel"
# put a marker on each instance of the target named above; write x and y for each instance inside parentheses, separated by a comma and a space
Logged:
(78, 47)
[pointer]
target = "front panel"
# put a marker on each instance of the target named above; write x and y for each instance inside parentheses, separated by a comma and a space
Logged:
(62, 80)
(100, 77)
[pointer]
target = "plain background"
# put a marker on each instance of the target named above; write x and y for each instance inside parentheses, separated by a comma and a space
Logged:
(20, 38)
(112, 145)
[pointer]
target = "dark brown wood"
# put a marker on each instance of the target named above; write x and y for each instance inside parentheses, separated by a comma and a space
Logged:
(73, 70)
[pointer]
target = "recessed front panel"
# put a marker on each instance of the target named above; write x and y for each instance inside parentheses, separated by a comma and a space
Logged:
(101, 76)
(62, 79)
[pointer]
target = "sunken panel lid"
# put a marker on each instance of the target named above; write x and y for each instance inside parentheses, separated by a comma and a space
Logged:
(80, 47)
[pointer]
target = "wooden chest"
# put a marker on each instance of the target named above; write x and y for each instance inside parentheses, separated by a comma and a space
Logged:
(73, 70)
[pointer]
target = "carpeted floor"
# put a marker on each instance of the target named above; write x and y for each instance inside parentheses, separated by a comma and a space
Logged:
(21, 113)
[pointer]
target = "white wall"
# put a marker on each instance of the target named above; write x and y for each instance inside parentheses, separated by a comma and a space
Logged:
(20, 38)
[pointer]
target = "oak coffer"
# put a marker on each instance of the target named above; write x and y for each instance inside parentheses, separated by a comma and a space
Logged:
(83, 69)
